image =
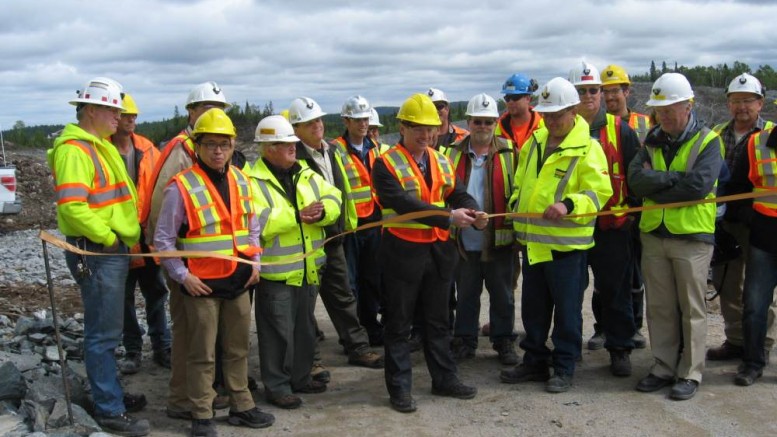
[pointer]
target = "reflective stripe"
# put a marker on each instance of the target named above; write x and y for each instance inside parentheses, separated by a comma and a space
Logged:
(503, 237)
(332, 198)
(265, 192)
(101, 194)
(562, 185)
(360, 194)
(98, 168)
(115, 193)
(549, 223)
(281, 268)
(558, 239)
(696, 149)
(208, 246)
(591, 195)
(80, 192)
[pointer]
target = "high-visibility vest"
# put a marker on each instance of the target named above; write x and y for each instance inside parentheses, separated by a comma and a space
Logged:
(693, 219)
(501, 182)
(719, 128)
(102, 193)
(403, 167)
(358, 177)
(284, 236)
(182, 140)
(763, 172)
(504, 129)
(610, 139)
(213, 227)
(640, 123)
(575, 170)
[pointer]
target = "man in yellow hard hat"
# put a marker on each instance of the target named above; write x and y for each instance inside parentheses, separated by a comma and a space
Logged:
(616, 88)
(418, 256)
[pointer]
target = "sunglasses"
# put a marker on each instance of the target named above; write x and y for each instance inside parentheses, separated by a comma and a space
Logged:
(483, 122)
(591, 91)
(440, 106)
(226, 146)
(514, 97)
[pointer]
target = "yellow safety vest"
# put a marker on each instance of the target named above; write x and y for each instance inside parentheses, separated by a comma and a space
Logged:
(763, 172)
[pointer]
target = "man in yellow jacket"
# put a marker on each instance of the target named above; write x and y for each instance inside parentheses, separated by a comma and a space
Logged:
(561, 171)
(294, 204)
(96, 212)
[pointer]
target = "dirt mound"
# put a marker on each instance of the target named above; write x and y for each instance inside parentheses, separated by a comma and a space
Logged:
(35, 189)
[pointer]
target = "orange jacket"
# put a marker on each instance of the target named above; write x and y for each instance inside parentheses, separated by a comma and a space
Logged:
(518, 134)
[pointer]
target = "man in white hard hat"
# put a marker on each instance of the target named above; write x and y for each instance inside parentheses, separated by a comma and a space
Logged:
(613, 257)
(485, 164)
(680, 162)
(448, 133)
(561, 171)
(374, 130)
(745, 99)
(97, 212)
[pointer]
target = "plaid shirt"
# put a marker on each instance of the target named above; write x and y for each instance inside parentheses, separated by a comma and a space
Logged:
(733, 148)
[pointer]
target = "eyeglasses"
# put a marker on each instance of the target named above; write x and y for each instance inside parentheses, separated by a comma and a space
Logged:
(514, 97)
(212, 146)
(747, 101)
(420, 128)
(611, 91)
(553, 116)
(480, 122)
(440, 106)
(591, 91)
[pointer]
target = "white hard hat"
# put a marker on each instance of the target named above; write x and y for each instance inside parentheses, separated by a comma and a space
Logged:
(374, 118)
(745, 83)
(670, 88)
(275, 129)
(206, 92)
(482, 105)
(356, 107)
(556, 95)
(100, 91)
(437, 95)
(304, 109)
(584, 74)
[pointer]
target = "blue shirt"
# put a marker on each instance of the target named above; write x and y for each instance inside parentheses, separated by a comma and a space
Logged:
(472, 239)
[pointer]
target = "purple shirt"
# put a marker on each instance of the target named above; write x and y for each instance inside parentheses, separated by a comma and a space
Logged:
(171, 217)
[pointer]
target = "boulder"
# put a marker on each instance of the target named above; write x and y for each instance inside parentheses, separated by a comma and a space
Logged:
(13, 387)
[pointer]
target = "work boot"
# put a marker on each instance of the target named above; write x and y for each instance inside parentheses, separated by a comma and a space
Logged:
(559, 383)
(370, 360)
(253, 418)
(134, 403)
(684, 389)
(747, 376)
(130, 364)
(456, 390)
(460, 350)
(319, 373)
(524, 373)
(620, 363)
(220, 402)
(506, 350)
(312, 387)
(725, 352)
(203, 428)
(652, 383)
(124, 425)
(596, 342)
(640, 342)
(162, 357)
(287, 402)
(403, 403)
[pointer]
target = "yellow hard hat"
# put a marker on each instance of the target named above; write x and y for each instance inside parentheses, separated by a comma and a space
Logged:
(285, 114)
(130, 107)
(214, 121)
(615, 75)
(419, 109)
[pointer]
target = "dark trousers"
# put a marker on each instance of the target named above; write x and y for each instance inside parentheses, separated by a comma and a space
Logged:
(361, 253)
(760, 282)
(553, 292)
(406, 289)
(154, 291)
(612, 263)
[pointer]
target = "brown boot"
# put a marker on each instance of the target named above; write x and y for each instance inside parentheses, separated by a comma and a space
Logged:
(725, 352)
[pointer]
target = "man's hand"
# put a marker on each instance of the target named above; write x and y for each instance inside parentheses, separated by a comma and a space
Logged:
(195, 287)
(481, 220)
(113, 248)
(254, 279)
(463, 217)
(312, 213)
(555, 211)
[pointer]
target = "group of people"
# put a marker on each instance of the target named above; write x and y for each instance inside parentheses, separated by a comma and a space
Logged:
(543, 191)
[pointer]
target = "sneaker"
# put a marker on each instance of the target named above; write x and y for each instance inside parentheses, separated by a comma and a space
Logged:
(640, 342)
(559, 383)
(652, 383)
(319, 373)
(403, 403)
(287, 402)
(725, 352)
(455, 390)
(203, 428)
(312, 387)
(371, 360)
(220, 402)
(178, 414)
(506, 350)
(253, 418)
(124, 425)
(134, 403)
(130, 364)
(620, 363)
(684, 389)
(524, 373)
(596, 342)
(747, 376)
(460, 350)
(162, 357)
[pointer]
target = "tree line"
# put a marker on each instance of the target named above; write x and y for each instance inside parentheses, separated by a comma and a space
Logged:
(718, 76)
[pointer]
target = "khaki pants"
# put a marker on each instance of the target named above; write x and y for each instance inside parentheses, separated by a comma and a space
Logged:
(675, 274)
(729, 280)
(177, 398)
(231, 319)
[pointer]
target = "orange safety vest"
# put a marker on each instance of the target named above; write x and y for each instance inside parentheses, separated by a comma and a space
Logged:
(763, 172)
(610, 139)
(519, 134)
(184, 141)
(640, 123)
(212, 227)
(404, 168)
(359, 179)
(101, 194)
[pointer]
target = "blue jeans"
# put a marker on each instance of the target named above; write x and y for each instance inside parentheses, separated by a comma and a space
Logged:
(553, 292)
(154, 290)
(102, 294)
(760, 281)
(497, 273)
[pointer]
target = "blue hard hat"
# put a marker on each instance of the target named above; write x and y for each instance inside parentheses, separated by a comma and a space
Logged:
(519, 84)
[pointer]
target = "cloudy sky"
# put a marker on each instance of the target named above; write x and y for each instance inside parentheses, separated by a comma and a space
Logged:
(260, 51)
